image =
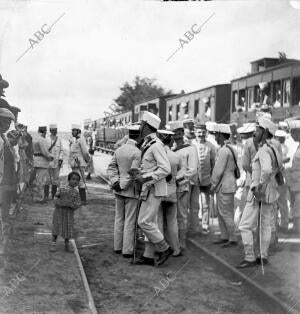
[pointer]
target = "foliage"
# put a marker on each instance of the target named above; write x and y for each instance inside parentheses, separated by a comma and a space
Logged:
(142, 89)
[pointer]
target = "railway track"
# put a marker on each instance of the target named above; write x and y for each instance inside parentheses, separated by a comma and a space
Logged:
(195, 283)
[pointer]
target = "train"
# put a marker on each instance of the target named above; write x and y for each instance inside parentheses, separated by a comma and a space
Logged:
(273, 85)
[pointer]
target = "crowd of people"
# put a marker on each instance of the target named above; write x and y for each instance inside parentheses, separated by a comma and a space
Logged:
(31, 164)
(164, 180)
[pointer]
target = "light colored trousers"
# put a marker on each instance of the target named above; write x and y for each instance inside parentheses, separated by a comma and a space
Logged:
(249, 223)
(182, 216)
(167, 223)
(193, 217)
(283, 205)
(205, 208)
(42, 178)
(125, 215)
(148, 222)
(225, 208)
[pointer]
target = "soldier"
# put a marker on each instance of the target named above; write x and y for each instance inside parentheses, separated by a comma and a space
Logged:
(41, 161)
(295, 174)
(79, 157)
(168, 208)
(280, 136)
(249, 151)
(262, 195)
(188, 154)
(206, 157)
(7, 173)
(126, 157)
(224, 185)
(155, 168)
(56, 149)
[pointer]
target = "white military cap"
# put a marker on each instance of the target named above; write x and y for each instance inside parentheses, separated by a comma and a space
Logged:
(134, 127)
(165, 132)
(5, 113)
(188, 121)
(223, 128)
(267, 115)
(76, 126)
(266, 123)
(294, 124)
(174, 125)
(283, 124)
(211, 126)
(280, 133)
(52, 126)
(246, 128)
(151, 119)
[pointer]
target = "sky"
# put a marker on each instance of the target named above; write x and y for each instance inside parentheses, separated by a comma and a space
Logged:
(75, 71)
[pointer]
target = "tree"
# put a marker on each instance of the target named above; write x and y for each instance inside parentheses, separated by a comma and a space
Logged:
(142, 89)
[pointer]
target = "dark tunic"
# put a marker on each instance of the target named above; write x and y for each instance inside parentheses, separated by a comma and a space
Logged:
(66, 203)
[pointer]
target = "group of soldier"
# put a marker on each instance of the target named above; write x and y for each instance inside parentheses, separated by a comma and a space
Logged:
(163, 178)
(49, 155)
(32, 163)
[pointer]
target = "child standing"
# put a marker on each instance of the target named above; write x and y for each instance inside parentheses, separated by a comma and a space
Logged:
(66, 201)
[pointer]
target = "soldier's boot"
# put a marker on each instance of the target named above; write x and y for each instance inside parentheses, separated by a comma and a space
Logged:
(46, 192)
(54, 190)
(82, 195)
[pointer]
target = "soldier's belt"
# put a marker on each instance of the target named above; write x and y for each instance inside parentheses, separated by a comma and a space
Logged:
(38, 155)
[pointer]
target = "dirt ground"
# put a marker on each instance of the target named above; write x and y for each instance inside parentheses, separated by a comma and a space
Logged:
(33, 280)
(189, 284)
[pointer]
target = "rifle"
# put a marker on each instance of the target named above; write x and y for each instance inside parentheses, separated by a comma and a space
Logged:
(81, 173)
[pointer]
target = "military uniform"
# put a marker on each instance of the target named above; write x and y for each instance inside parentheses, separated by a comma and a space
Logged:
(126, 157)
(7, 179)
(56, 149)
(206, 156)
(78, 159)
(223, 183)
(295, 178)
(249, 153)
(155, 163)
(264, 169)
(168, 210)
(41, 161)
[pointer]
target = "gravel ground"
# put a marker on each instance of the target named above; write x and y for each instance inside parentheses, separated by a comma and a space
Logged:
(189, 284)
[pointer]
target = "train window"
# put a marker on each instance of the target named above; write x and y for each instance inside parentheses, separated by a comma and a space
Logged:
(186, 110)
(286, 93)
(276, 96)
(196, 107)
(296, 91)
(177, 112)
(170, 113)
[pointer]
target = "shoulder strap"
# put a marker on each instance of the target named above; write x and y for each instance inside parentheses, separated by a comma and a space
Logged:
(277, 163)
(52, 145)
(232, 152)
(148, 146)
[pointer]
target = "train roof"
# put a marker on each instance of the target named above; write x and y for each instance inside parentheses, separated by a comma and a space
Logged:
(152, 98)
(283, 65)
(199, 90)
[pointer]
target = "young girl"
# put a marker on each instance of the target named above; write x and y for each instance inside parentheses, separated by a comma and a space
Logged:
(66, 201)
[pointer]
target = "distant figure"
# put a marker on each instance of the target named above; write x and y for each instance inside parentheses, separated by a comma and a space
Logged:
(42, 158)
(66, 201)
(79, 157)
(56, 149)
(3, 84)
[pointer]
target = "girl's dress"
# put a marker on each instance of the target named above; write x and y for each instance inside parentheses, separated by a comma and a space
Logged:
(66, 202)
